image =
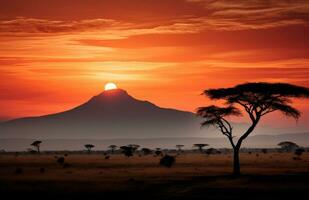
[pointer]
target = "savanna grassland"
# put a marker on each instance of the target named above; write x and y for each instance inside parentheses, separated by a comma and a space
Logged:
(193, 176)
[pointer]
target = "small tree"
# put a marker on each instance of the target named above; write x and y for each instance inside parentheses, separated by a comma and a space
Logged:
(288, 146)
(257, 100)
(146, 151)
(89, 147)
(179, 147)
(37, 144)
(127, 150)
(112, 148)
(200, 146)
(134, 146)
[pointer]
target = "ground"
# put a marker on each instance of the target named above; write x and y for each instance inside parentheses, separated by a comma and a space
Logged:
(194, 176)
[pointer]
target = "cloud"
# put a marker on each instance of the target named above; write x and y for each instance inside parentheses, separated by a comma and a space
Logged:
(32, 25)
(220, 15)
(256, 14)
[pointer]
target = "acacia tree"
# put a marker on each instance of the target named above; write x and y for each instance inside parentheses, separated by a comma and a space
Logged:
(112, 148)
(37, 144)
(179, 147)
(256, 100)
(288, 146)
(89, 147)
(200, 146)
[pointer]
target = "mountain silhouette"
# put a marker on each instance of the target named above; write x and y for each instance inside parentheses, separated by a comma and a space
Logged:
(111, 114)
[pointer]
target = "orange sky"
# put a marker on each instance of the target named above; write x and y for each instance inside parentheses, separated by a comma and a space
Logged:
(56, 54)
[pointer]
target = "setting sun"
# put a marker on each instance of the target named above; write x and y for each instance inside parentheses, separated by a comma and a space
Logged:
(110, 86)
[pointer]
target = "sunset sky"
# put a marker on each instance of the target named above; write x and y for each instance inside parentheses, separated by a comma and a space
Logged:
(56, 54)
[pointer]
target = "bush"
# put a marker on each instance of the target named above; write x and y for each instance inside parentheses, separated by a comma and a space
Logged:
(167, 161)
(299, 151)
(158, 153)
(60, 160)
(127, 150)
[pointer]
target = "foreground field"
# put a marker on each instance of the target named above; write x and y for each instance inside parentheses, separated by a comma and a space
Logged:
(194, 176)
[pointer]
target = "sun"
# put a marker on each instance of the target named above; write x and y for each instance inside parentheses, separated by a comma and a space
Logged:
(110, 86)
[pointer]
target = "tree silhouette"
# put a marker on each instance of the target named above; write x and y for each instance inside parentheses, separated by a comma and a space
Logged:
(146, 151)
(179, 147)
(37, 144)
(288, 146)
(134, 146)
(167, 161)
(89, 147)
(200, 146)
(257, 100)
(112, 148)
(128, 150)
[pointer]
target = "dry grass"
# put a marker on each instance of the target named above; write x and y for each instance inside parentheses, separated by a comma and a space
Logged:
(94, 173)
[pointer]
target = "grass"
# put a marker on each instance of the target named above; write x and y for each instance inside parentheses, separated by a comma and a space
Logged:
(193, 176)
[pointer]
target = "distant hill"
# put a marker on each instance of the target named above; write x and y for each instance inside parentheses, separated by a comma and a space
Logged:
(111, 114)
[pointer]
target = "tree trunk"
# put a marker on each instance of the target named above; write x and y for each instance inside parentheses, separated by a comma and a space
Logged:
(38, 149)
(236, 164)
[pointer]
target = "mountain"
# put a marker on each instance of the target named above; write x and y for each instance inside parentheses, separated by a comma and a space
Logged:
(111, 114)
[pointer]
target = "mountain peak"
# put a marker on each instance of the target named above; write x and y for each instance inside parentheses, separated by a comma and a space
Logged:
(111, 96)
(114, 93)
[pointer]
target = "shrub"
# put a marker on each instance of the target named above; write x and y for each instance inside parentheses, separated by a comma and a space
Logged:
(167, 161)
(60, 160)
(299, 151)
(158, 153)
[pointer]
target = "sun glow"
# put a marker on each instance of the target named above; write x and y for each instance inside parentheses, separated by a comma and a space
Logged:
(110, 86)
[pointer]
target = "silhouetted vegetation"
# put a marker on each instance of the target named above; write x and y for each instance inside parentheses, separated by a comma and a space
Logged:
(200, 146)
(37, 144)
(127, 150)
(179, 147)
(158, 152)
(299, 151)
(112, 148)
(89, 147)
(288, 146)
(257, 100)
(167, 161)
(264, 151)
(60, 160)
(211, 151)
(146, 151)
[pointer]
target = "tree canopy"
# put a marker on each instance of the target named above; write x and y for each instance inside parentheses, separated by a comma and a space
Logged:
(257, 100)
